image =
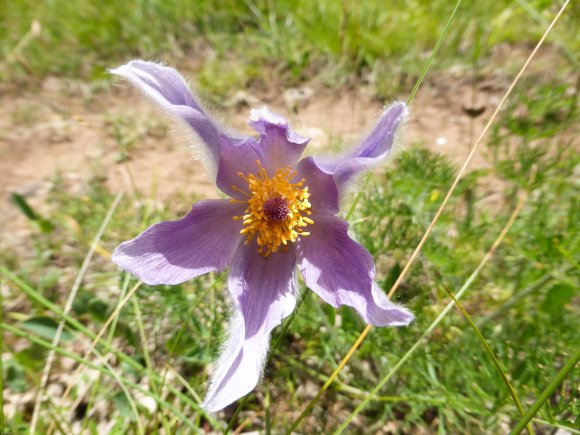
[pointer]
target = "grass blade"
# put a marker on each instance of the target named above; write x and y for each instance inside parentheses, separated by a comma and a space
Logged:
(557, 425)
(67, 308)
(409, 100)
(36, 296)
(458, 177)
(99, 368)
(533, 410)
(496, 363)
(23, 206)
(440, 317)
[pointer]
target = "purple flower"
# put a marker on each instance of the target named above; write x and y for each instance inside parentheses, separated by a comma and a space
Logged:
(282, 214)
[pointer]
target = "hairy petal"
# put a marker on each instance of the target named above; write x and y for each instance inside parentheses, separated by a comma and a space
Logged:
(264, 292)
(166, 87)
(380, 141)
(172, 252)
(278, 145)
(375, 148)
(342, 272)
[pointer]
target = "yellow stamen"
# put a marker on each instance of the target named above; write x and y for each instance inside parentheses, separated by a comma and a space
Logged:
(277, 209)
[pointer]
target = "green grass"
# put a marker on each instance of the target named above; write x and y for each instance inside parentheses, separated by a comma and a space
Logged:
(451, 381)
(525, 301)
(229, 42)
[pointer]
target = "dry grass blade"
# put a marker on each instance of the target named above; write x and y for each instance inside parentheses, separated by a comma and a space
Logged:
(93, 345)
(415, 253)
(67, 308)
(103, 370)
(440, 317)
(78, 326)
(472, 152)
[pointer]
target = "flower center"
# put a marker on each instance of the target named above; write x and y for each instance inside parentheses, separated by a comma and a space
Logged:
(277, 209)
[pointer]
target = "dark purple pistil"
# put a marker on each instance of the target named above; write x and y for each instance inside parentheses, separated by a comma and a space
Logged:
(276, 209)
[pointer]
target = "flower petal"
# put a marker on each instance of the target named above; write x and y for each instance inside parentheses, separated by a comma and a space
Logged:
(168, 89)
(323, 191)
(377, 146)
(342, 272)
(173, 252)
(380, 141)
(233, 160)
(278, 145)
(264, 292)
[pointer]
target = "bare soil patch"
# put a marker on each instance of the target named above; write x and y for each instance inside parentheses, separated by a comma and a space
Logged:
(69, 130)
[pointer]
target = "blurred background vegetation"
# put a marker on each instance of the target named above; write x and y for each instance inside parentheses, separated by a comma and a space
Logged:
(232, 41)
(525, 302)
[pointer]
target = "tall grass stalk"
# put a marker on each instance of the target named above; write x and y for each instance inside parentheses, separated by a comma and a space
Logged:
(549, 390)
(67, 308)
(97, 367)
(415, 253)
(36, 296)
(487, 257)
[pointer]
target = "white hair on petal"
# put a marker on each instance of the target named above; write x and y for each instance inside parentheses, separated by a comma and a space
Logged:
(357, 184)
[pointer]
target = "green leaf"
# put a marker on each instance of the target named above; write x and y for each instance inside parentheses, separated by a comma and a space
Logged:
(14, 376)
(45, 327)
(98, 309)
(122, 405)
(45, 225)
(23, 206)
(31, 358)
(16, 379)
(558, 296)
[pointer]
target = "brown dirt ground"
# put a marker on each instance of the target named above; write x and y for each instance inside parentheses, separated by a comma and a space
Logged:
(66, 128)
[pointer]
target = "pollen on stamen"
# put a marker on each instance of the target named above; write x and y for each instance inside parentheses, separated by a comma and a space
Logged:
(276, 210)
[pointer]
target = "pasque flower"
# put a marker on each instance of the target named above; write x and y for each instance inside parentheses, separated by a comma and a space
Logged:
(282, 215)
